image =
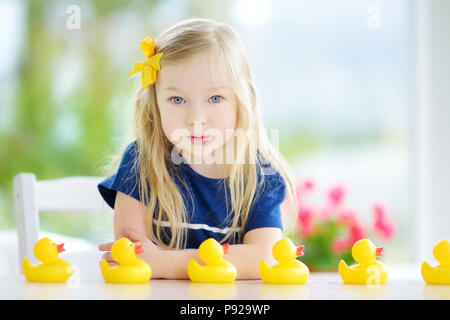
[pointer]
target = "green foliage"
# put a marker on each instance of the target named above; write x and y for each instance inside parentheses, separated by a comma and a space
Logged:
(304, 143)
(318, 253)
(73, 134)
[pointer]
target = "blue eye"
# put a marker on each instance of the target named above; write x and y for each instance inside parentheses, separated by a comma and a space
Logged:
(176, 100)
(218, 99)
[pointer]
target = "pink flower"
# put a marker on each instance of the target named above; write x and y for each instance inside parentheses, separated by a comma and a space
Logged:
(381, 225)
(348, 217)
(307, 229)
(303, 187)
(386, 231)
(325, 213)
(304, 213)
(305, 219)
(340, 245)
(336, 195)
(356, 232)
(308, 184)
(379, 211)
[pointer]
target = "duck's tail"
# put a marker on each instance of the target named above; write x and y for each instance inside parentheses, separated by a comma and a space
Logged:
(264, 271)
(427, 272)
(196, 272)
(435, 275)
(104, 267)
(343, 270)
(26, 268)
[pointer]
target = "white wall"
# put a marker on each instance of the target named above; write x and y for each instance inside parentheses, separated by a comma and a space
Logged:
(431, 128)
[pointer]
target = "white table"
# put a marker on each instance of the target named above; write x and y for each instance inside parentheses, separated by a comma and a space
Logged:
(318, 286)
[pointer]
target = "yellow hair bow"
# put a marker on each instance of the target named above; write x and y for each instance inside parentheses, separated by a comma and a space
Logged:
(151, 64)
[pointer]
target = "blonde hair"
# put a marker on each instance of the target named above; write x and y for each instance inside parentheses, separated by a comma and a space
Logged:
(157, 189)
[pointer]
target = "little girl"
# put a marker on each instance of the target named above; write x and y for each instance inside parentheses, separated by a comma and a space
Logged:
(200, 165)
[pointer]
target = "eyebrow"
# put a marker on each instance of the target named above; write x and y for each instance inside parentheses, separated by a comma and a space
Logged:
(212, 88)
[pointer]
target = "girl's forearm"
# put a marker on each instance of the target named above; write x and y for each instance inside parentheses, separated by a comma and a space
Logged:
(245, 257)
(175, 263)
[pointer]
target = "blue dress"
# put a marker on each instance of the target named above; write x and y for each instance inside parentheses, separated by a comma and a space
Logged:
(207, 208)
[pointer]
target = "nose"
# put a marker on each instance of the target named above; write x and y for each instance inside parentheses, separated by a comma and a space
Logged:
(196, 116)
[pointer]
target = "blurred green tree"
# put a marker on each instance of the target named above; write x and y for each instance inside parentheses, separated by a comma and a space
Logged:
(41, 141)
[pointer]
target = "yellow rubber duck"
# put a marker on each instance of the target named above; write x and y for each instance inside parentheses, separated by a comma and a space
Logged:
(369, 270)
(217, 269)
(441, 273)
(52, 269)
(131, 269)
(289, 270)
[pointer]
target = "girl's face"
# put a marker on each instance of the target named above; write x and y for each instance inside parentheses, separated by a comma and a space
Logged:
(197, 104)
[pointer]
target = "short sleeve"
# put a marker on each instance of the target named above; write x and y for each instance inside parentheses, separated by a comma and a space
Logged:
(125, 180)
(266, 211)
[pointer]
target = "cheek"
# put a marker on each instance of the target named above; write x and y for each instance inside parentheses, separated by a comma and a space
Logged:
(171, 127)
(222, 127)
(227, 129)
(228, 124)
(166, 124)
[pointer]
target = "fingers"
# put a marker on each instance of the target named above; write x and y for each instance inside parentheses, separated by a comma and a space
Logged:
(108, 257)
(110, 263)
(105, 246)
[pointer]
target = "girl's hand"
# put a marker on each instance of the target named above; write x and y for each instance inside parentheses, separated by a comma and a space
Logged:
(107, 256)
(151, 251)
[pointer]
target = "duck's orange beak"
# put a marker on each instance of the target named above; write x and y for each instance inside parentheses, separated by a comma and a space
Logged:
(300, 251)
(225, 247)
(379, 251)
(138, 249)
(60, 247)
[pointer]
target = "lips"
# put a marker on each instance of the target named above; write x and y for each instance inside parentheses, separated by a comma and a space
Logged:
(199, 139)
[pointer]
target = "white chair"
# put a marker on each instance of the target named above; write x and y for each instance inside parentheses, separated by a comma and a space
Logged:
(71, 194)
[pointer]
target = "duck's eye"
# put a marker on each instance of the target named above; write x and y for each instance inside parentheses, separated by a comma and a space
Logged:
(130, 244)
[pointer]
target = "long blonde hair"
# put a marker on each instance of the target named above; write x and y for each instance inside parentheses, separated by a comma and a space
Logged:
(157, 189)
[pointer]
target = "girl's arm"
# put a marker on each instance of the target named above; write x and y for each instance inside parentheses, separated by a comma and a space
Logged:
(129, 222)
(172, 264)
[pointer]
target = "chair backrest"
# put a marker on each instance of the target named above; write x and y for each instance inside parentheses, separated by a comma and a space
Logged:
(71, 194)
